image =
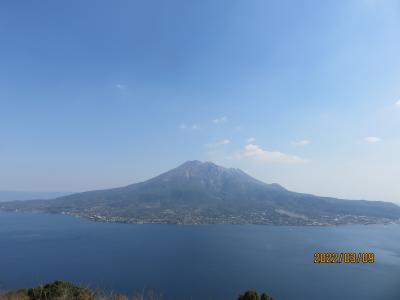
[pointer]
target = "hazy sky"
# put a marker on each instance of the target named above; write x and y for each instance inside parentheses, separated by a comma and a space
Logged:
(96, 94)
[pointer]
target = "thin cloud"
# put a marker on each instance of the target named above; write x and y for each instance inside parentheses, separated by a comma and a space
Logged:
(219, 143)
(255, 152)
(397, 104)
(301, 143)
(120, 86)
(251, 140)
(220, 120)
(184, 126)
(372, 140)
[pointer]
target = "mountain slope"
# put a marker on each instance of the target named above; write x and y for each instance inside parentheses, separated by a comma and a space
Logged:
(198, 192)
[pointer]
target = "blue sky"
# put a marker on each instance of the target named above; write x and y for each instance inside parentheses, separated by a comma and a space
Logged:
(96, 94)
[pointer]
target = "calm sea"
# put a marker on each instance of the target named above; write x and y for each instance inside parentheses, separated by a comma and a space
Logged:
(198, 262)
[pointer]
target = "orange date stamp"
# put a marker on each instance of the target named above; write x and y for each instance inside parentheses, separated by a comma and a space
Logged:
(344, 257)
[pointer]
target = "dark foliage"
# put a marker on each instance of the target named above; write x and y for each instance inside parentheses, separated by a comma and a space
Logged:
(253, 295)
(62, 290)
(55, 291)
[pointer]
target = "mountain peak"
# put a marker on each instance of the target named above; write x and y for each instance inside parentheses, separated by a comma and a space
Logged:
(207, 173)
(197, 166)
(197, 163)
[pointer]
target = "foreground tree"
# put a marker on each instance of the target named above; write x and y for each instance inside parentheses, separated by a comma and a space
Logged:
(63, 290)
(253, 295)
(264, 296)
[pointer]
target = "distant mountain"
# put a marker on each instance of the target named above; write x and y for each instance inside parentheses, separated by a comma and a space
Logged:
(204, 193)
(26, 195)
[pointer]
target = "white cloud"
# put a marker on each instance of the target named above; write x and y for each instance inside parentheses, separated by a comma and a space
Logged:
(255, 152)
(301, 143)
(184, 126)
(372, 139)
(398, 104)
(220, 120)
(120, 86)
(219, 143)
(223, 142)
(251, 140)
(235, 156)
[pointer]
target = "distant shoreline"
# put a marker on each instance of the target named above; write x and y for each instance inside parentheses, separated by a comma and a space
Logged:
(129, 222)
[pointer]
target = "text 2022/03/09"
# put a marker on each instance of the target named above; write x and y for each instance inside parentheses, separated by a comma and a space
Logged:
(344, 257)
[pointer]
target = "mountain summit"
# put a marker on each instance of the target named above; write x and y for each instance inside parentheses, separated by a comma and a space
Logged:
(204, 193)
(210, 176)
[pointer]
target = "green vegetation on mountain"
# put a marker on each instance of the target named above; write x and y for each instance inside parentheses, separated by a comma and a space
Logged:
(204, 193)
